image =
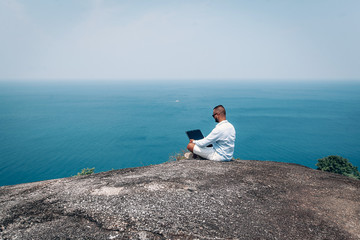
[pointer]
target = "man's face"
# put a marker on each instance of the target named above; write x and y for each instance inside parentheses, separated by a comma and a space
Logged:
(215, 116)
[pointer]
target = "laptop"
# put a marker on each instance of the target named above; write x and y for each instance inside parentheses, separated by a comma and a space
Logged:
(196, 135)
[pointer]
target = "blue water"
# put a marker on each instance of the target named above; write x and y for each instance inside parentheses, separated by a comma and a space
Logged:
(53, 130)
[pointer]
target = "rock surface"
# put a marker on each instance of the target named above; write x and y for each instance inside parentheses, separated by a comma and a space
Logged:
(188, 199)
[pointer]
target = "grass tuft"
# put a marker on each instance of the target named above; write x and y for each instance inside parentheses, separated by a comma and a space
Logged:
(86, 171)
(177, 156)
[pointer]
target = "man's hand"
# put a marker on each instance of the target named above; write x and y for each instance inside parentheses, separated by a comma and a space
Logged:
(192, 140)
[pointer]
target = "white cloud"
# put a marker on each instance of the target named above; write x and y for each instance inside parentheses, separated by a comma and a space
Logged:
(21, 42)
(190, 40)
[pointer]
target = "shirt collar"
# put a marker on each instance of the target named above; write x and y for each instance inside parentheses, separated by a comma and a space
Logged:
(222, 122)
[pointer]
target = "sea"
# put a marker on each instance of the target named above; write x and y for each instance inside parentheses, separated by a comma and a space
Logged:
(54, 129)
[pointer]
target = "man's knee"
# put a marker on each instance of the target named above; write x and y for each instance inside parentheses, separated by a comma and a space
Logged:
(190, 147)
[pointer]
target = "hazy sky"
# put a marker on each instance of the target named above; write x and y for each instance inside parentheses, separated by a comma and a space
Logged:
(182, 39)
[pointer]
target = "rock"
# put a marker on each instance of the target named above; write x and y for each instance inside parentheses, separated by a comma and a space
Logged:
(190, 199)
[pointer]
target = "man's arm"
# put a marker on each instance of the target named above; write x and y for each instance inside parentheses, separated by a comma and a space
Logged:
(209, 139)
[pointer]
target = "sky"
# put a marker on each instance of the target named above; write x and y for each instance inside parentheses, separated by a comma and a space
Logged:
(179, 39)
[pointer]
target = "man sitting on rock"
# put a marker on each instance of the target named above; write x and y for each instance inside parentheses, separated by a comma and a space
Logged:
(222, 138)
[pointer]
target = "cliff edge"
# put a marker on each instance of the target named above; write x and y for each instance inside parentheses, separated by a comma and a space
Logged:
(188, 199)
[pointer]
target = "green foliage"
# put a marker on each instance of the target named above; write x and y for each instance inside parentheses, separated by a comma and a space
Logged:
(177, 156)
(337, 164)
(86, 171)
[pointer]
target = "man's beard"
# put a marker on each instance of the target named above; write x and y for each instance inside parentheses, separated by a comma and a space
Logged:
(216, 120)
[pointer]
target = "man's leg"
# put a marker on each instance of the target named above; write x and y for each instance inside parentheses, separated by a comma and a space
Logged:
(190, 147)
(206, 152)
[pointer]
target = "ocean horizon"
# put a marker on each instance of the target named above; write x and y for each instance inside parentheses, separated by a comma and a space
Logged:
(54, 129)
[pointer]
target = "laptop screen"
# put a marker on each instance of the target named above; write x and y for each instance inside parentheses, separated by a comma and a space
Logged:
(195, 134)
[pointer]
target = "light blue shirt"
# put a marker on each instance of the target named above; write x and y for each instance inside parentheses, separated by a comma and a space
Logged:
(222, 137)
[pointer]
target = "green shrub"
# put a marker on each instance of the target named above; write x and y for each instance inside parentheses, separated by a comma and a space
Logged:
(86, 171)
(337, 164)
(177, 156)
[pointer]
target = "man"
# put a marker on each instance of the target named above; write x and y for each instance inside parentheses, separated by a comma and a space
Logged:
(222, 137)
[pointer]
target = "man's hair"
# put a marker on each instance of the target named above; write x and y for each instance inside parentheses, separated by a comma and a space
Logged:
(220, 109)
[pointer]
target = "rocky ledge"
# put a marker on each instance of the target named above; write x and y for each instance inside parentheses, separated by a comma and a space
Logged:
(188, 199)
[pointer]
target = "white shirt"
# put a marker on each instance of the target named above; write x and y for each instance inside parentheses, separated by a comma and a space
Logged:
(222, 137)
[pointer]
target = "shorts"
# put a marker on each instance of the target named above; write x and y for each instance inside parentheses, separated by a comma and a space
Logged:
(208, 153)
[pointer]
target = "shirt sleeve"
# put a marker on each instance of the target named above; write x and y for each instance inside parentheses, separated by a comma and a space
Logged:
(209, 139)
